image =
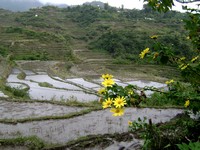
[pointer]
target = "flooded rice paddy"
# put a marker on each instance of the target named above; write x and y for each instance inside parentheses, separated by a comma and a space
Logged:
(98, 122)
(65, 89)
(63, 130)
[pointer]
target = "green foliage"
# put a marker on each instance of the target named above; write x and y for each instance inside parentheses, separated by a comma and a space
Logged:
(165, 136)
(32, 142)
(44, 30)
(127, 44)
(120, 42)
(21, 76)
(87, 15)
(190, 146)
(3, 51)
(138, 124)
(160, 100)
(45, 84)
(43, 36)
(177, 95)
(189, 70)
(160, 5)
(184, 127)
(16, 92)
(192, 25)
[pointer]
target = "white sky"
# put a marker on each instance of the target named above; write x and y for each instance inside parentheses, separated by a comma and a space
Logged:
(130, 4)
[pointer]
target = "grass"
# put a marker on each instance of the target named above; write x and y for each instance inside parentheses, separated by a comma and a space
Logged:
(45, 84)
(21, 76)
(31, 142)
(180, 129)
(35, 143)
(73, 103)
(90, 141)
(67, 116)
(16, 92)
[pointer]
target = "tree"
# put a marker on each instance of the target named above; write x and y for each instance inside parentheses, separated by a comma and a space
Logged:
(165, 5)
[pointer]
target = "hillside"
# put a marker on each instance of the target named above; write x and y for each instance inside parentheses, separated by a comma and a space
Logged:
(87, 32)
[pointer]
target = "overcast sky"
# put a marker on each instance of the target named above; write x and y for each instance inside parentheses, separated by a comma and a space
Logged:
(130, 4)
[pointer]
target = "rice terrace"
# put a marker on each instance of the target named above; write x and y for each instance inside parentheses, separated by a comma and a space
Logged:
(98, 77)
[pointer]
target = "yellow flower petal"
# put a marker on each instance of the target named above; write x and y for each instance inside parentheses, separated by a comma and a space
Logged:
(154, 37)
(155, 55)
(117, 111)
(187, 103)
(107, 76)
(144, 52)
(102, 91)
(108, 82)
(169, 82)
(184, 67)
(107, 103)
(130, 123)
(194, 59)
(119, 102)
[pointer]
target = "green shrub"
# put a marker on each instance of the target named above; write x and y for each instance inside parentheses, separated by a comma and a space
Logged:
(45, 84)
(21, 76)
(16, 92)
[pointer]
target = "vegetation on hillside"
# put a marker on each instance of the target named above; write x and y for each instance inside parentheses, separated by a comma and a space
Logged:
(51, 33)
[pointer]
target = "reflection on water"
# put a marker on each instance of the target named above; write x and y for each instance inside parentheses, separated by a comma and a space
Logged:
(60, 91)
(17, 85)
(68, 88)
(142, 83)
(99, 122)
(55, 83)
(2, 94)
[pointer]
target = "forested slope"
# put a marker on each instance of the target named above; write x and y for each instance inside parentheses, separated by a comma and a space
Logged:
(52, 33)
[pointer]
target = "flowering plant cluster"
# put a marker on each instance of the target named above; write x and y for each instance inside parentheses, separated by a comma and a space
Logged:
(117, 97)
(188, 93)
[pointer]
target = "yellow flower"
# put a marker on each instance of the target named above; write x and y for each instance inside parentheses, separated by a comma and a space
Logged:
(102, 91)
(144, 52)
(117, 111)
(158, 5)
(154, 37)
(169, 82)
(130, 92)
(187, 103)
(180, 66)
(155, 55)
(194, 59)
(119, 102)
(130, 123)
(108, 82)
(107, 76)
(188, 37)
(107, 103)
(184, 67)
(182, 58)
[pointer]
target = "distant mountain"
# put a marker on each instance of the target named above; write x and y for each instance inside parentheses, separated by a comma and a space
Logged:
(95, 3)
(19, 5)
(57, 5)
(62, 5)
